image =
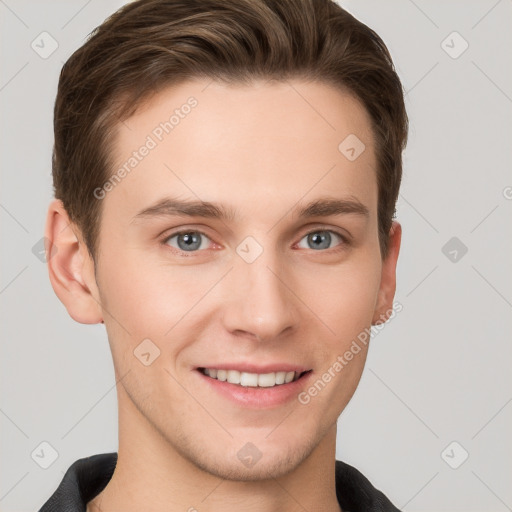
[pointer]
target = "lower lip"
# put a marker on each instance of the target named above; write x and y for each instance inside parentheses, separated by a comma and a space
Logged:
(257, 397)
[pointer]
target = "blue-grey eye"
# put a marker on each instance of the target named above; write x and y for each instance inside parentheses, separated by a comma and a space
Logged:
(320, 239)
(187, 240)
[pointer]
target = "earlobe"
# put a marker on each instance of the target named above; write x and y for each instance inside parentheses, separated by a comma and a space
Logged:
(384, 307)
(70, 267)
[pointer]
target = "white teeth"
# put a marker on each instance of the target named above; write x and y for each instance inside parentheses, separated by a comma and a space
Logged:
(264, 380)
(233, 376)
(289, 377)
(248, 379)
(280, 376)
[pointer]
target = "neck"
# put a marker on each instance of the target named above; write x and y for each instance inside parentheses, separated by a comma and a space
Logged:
(152, 475)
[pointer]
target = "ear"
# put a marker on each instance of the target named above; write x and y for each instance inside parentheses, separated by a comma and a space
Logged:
(384, 306)
(70, 267)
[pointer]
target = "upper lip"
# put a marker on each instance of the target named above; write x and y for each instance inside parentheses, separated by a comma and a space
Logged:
(254, 368)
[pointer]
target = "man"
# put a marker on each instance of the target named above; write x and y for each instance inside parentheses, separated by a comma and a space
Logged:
(225, 175)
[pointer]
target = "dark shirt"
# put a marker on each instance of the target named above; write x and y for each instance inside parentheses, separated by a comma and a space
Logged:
(87, 477)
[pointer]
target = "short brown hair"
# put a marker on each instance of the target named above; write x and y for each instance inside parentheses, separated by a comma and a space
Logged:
(150, 44)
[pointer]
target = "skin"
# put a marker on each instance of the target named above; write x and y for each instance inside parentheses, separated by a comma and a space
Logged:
(263, 150)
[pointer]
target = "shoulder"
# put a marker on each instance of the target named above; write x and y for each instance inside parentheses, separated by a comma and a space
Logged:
(356, 493)
(83, 480)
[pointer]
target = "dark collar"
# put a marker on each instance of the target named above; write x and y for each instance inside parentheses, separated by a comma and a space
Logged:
(87, 477)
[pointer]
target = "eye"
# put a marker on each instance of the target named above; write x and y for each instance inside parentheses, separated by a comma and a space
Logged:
(322, 239)
(187, 241)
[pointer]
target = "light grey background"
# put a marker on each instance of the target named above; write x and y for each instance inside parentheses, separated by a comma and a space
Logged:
(438, 372)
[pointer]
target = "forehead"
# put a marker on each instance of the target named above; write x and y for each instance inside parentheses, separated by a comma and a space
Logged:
(251, 147)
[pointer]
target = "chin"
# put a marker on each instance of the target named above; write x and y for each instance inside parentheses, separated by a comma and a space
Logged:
(251, 459)
(265, 468)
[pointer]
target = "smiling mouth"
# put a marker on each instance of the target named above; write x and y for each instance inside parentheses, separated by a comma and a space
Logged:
(245, 379)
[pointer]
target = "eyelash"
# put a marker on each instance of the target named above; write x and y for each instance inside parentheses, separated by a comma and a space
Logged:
(345, 241)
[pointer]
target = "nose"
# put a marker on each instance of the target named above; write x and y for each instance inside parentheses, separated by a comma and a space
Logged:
(260, 302)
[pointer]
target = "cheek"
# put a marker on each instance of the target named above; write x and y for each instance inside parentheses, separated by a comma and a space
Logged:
(150, 301)
(149, 298)
(344, 297)
(345, 305)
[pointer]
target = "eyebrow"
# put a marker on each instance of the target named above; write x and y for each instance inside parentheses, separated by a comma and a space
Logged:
(322, 207)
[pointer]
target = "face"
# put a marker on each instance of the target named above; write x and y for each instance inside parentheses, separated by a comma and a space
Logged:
(283, 272)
